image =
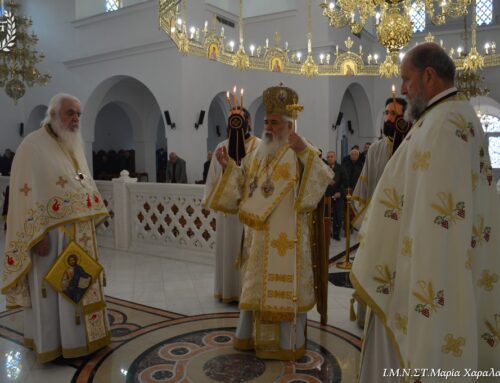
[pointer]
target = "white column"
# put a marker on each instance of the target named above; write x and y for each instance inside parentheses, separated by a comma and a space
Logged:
(122, 210)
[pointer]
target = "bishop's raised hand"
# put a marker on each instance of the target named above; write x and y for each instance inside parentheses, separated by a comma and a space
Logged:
(222, 157)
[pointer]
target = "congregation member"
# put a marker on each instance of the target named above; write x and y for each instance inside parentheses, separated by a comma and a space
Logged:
(336, 191)
(176, 169)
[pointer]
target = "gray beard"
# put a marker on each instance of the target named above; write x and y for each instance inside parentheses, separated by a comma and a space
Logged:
(269, 147)
(415, 108)
(69, 140)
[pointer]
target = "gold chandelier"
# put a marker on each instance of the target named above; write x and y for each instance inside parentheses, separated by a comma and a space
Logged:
(392, 17)
(394, 30)
(469, 79)
(18, 56)
(210, 42)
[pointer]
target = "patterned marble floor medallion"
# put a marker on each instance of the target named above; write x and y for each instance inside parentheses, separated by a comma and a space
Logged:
(153, 345)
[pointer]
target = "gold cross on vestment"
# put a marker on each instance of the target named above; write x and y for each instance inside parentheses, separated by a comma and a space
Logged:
(25, 189)
(282, 244)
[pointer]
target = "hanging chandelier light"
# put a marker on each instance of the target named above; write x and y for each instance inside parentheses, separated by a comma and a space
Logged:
(394, 30)
(469, 79)
(391, 17)
(18, 56)
(211, 42)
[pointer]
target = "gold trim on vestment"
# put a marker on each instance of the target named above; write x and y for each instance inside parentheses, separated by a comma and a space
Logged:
(77, 352)
(217, 192)
(305, 176)
(243, 344)
(258, 222)
(35, 241)
(361, 212)
(360, 291)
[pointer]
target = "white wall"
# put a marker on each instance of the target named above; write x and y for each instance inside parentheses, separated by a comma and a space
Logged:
(123, 56)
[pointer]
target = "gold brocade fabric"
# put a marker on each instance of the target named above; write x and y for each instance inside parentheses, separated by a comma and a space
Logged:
(44, 193)
(376, 160)
(277, 275)
(428, 263)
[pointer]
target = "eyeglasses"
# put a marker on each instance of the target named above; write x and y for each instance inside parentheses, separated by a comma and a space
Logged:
(391, 112)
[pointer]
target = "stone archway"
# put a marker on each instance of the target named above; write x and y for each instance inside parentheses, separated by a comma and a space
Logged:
(140, 106)
(356, 126)
(217, 120)
(36, 116)
(257, 112)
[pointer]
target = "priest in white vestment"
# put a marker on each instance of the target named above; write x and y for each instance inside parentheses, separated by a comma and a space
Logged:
(275, 191)
(54, 205)
(428, 264)
(229, 233)
(377, 157)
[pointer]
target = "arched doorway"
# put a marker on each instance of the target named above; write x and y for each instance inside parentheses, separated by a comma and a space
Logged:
(257, 112)
(113, 147)
(218, 113)
(35, 118)
(356, 126)
(141, 108)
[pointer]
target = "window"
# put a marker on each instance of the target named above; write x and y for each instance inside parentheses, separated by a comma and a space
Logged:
(417, 16)
(491, 127)
(112, 5)
(484, 12)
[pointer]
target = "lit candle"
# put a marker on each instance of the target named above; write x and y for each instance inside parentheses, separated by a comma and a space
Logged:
(241, 98)
(206, 26)
(360, 49)
(352, 17)
(267, 43)
(377, 17)
(393, 93)
(234, 97)
(252, 49)
(337, 49)
(229, 100)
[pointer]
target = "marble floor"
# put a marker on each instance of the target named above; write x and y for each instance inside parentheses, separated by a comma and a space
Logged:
(163, 308)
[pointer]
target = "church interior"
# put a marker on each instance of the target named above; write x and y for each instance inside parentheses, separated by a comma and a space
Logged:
(155, 77)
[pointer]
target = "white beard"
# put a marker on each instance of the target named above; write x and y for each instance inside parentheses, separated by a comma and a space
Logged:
(70, 140)
(415, 107)
(268, 147)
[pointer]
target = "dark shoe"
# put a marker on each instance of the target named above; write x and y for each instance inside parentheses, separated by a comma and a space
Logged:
(336, 237)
